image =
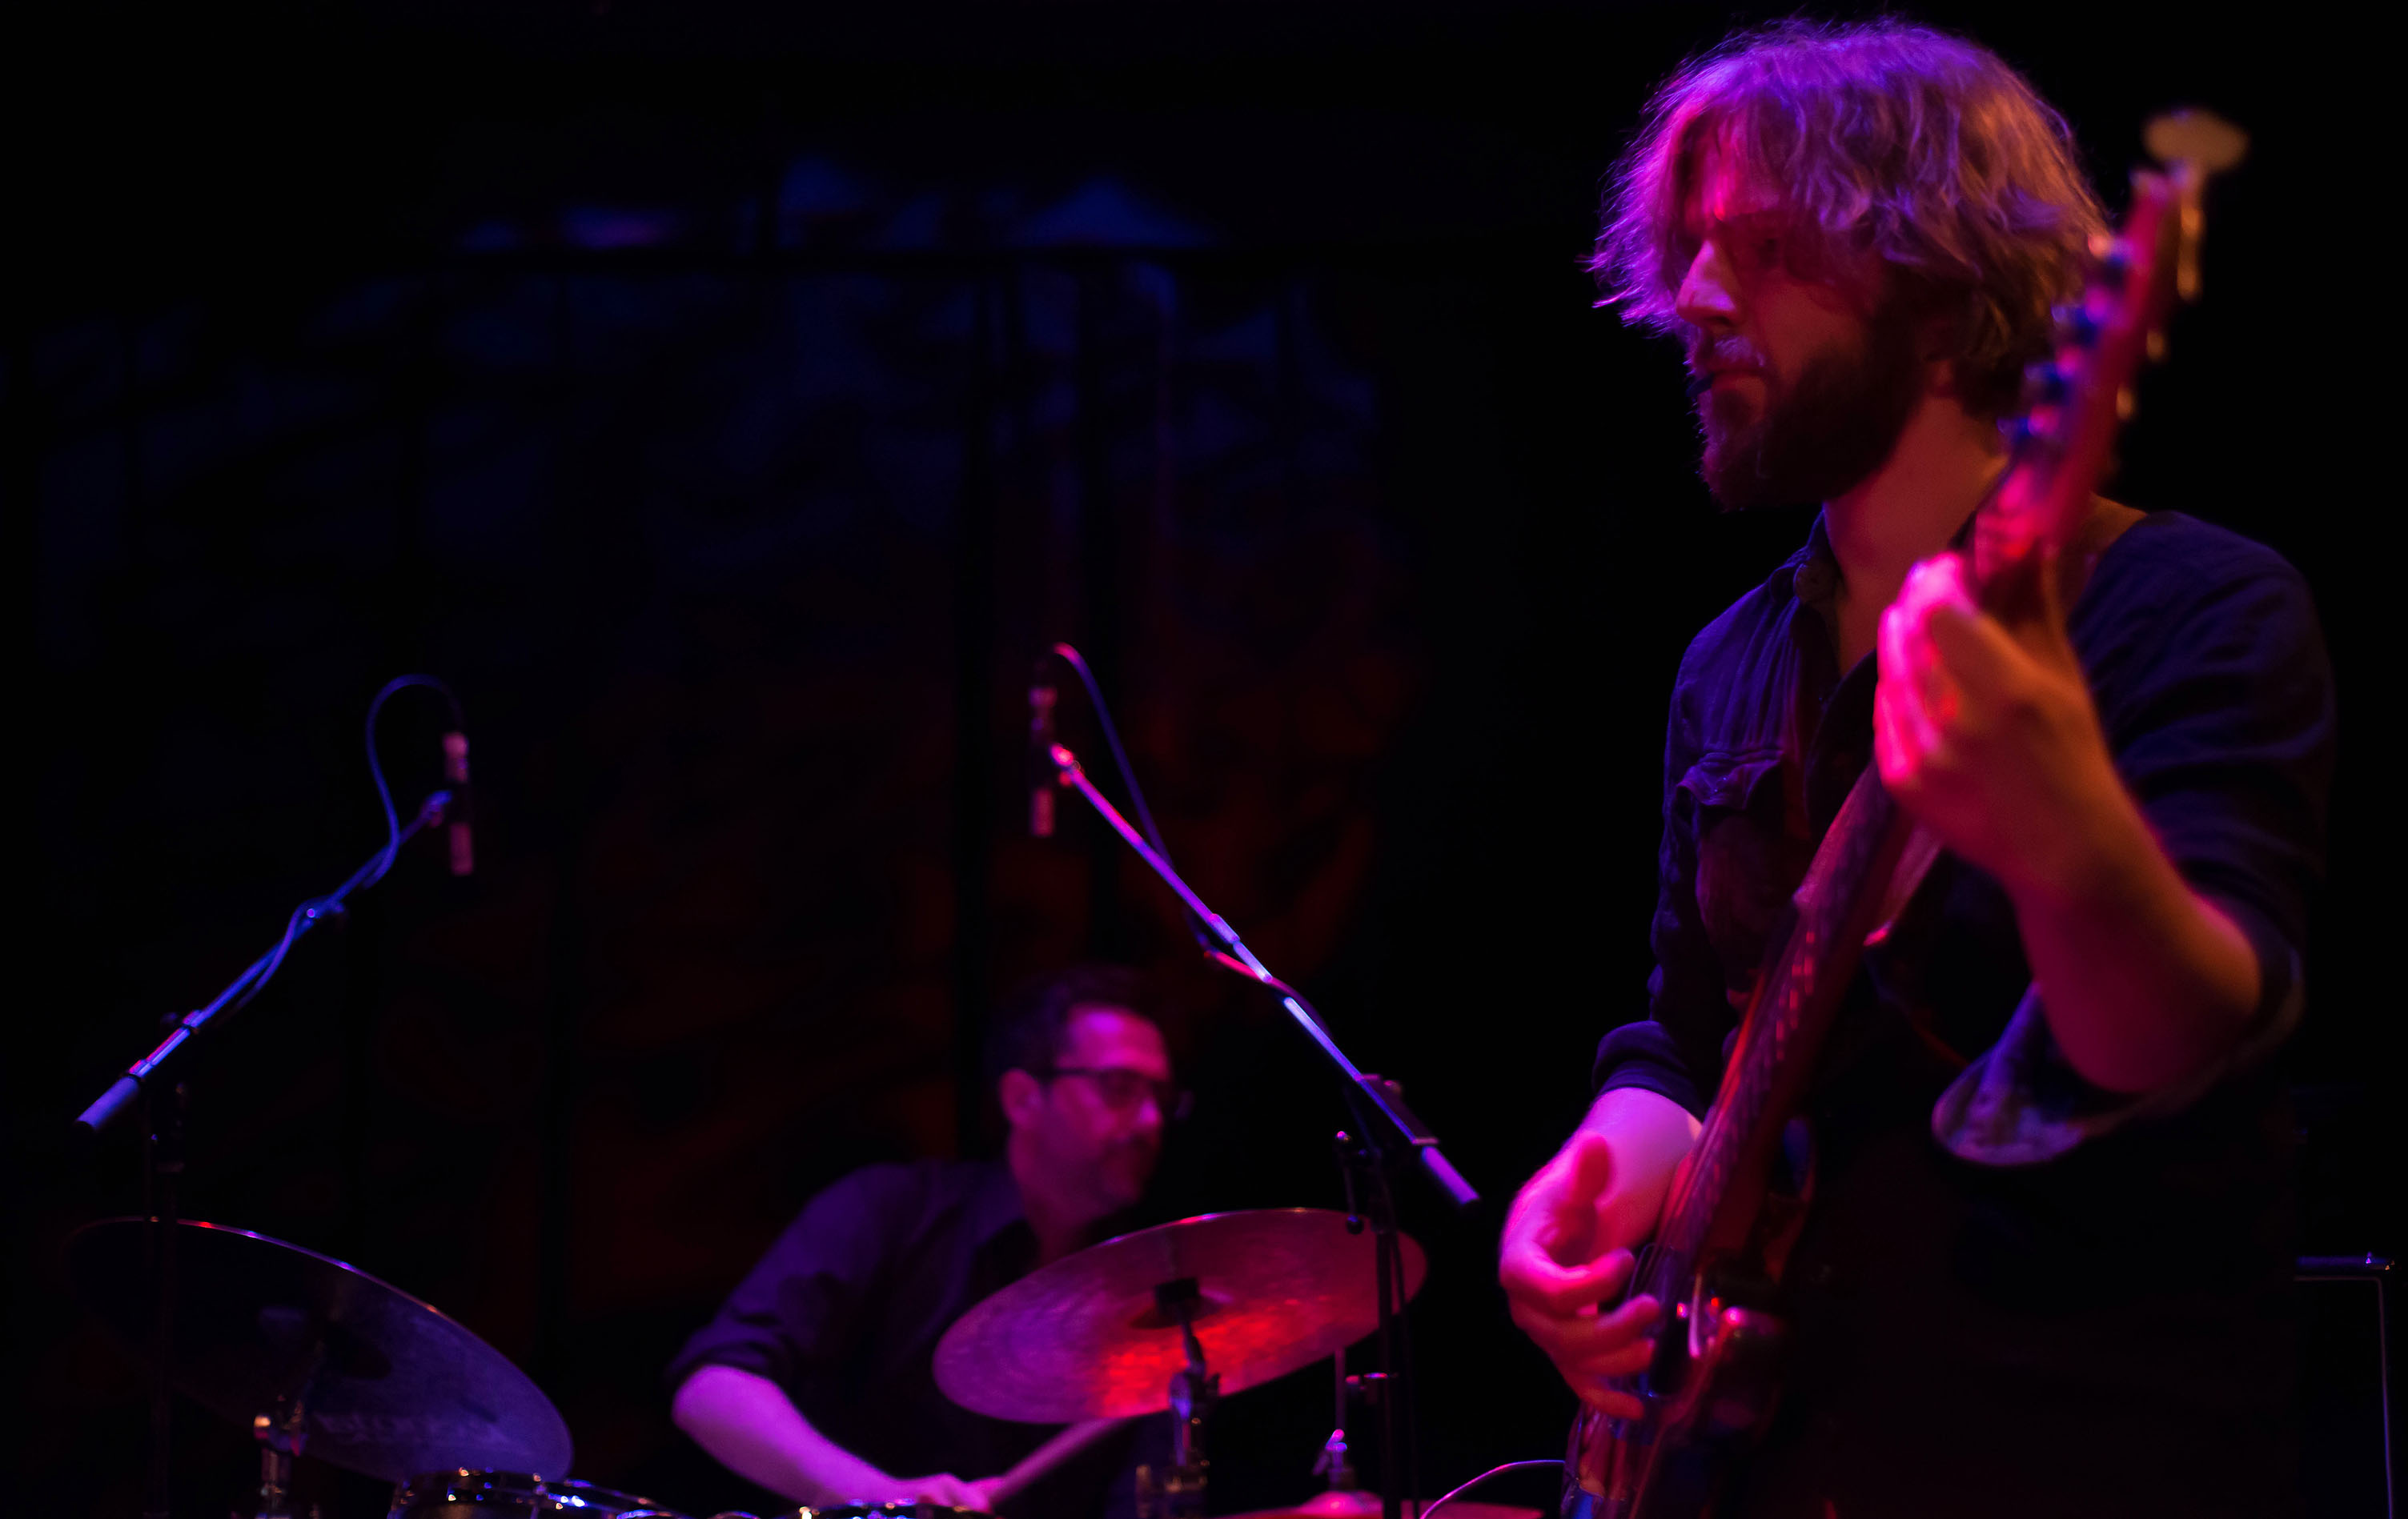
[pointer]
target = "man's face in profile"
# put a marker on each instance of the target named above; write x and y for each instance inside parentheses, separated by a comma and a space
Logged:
(1096, 1124)
(1801, 390)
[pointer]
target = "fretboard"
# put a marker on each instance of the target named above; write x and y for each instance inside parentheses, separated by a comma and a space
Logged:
(1791, 1011)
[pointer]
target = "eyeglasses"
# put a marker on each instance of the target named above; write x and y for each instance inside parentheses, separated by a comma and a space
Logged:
(1121, 1088)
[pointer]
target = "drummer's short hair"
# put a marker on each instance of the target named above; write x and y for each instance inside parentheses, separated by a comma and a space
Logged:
(1029, 1028)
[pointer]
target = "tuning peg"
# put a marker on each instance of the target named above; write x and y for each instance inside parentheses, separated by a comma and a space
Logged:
(2196, 137)
(2193, 145)
(2157, 345)
(2044, 383)
(2110, 258)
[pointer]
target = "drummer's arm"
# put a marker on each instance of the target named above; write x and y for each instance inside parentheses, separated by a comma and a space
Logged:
(748, 1424)
(753, 1428)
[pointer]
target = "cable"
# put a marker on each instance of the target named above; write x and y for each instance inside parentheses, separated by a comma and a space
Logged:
(122, 1093)
(1078, 663)
(1071, 657)
(375, 766)
(264, 968)
(1452, 1494)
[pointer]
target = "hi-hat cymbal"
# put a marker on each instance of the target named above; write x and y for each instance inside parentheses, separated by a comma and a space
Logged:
(1086, 1338)
(393, 1386)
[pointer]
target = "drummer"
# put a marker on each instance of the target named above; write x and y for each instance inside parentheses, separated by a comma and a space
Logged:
(815, 1382)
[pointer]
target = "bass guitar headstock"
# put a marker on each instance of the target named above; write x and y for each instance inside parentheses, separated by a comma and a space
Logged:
(2079, 396)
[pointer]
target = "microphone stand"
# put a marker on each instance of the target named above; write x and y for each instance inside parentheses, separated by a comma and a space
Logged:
(151, 1083)
(1388, 1130)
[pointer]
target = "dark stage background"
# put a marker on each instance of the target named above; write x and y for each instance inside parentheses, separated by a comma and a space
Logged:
(729, 400)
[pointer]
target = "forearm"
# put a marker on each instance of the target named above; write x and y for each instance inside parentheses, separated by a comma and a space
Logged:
(2145, 981)
(1649, 1136)
(752, 1427)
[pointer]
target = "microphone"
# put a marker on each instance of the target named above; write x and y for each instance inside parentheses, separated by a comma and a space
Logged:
(1040, 759)
(455, 812)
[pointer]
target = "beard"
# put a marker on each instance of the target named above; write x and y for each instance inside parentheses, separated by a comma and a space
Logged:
(1122, 1172)
(1821, 436)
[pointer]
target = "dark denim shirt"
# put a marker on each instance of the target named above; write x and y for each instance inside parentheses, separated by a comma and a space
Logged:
(845, 1311)
(1996, 1253)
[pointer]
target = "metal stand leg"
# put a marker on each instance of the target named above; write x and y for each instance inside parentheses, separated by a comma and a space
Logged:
(279, 1435)
(1333, 1462)
(1178, 1492)
(162, 1167)
(1364, 1165)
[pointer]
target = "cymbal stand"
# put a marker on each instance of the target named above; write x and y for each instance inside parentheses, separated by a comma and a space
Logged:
(280, 1435)
(163, 1166)
(1333, 1461)
(1364, 1168)
(1177, 1493)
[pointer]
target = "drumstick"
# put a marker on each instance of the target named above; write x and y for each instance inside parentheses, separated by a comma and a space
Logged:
(1043, 1459)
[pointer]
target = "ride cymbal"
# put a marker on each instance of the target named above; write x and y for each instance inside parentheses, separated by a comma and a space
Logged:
(1087, 1337)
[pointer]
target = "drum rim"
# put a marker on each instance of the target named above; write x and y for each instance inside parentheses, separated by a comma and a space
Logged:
(878, 1510)
(526, 1484)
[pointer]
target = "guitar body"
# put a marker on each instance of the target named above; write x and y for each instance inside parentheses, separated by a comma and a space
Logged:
(1667, 1465)
(1715, 1379)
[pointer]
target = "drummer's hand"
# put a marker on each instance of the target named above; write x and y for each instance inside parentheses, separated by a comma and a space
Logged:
(945, 1489)
(1556, 1270)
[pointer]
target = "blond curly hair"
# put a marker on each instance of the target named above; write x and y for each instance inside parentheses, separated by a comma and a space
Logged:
(1901, 151)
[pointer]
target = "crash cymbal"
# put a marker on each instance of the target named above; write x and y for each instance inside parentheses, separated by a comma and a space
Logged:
(1087, 1337)
(398, 1388)
(1359, 1503)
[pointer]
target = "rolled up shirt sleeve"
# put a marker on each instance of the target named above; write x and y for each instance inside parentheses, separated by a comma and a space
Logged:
(791, 1315)
(2225, 739)
(2216, 691)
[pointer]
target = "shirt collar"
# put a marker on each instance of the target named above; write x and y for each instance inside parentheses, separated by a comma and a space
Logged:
(1812, 574)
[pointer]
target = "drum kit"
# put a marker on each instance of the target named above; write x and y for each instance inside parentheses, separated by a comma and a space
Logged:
(317, 1357)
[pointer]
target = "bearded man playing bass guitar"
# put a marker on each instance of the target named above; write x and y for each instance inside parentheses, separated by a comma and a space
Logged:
(2041, 1264)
